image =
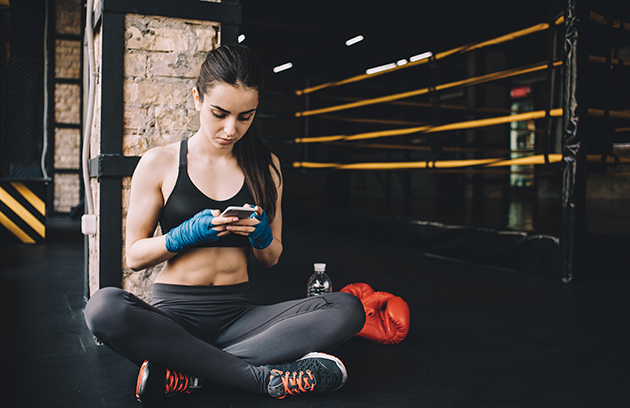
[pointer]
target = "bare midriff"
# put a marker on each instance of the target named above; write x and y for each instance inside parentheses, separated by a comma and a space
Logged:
(206, 266)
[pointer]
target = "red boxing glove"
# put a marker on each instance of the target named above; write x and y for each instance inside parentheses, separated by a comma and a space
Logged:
(358, 289)
(386, 315)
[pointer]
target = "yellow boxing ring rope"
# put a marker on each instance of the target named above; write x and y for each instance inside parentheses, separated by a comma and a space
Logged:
(471, 124)
(464, 82)
(601, 20)
(459, 50)
(463, 49)
(529, 160)
(425, 105)
(446, 164)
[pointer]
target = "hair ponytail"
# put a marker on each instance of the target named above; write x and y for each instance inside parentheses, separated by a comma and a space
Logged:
(255, 160)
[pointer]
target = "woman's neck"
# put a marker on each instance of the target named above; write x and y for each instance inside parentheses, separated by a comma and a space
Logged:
(201, 146)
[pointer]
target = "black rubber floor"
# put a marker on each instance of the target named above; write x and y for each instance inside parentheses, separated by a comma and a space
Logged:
(479, 337)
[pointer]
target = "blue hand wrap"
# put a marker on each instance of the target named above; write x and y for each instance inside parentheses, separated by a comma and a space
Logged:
(194, 231)
(261, 237)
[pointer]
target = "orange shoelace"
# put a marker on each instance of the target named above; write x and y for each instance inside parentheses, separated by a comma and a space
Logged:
(296, 384)
(176, 382)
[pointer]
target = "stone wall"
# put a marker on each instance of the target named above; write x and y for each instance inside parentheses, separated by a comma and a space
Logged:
(68, 16)
(162, 61)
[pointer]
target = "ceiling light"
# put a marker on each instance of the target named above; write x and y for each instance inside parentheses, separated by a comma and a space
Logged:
(282, 67)
(422, 56)
(401, 62)
(354, 40)
(380, 69)
(241, 38)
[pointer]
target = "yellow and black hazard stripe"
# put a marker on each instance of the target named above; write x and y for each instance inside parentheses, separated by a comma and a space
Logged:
(22, 212)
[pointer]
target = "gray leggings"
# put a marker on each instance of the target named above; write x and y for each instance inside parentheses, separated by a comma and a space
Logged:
(216, 333)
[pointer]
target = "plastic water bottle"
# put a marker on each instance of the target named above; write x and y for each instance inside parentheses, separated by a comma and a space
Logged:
(319, 283)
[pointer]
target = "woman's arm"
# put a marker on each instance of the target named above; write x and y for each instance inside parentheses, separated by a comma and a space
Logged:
(255, 228)
(269, 256)
(145, 205)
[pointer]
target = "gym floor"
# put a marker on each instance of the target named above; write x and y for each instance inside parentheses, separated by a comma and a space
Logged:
(479, 337)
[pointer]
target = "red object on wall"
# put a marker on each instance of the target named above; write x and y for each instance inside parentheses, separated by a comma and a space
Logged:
(521, 92)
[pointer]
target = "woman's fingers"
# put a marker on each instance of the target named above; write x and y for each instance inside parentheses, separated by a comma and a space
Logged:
(241, 229)
(217, 220)
(227, 225)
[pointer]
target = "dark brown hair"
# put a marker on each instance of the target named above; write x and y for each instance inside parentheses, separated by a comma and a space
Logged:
(238, 65)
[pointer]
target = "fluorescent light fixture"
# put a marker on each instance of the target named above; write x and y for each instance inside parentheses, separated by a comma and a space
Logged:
(380, 68)
(401, 62)
(422, 56)
(354, 40)
(241, 38)
(283, 67)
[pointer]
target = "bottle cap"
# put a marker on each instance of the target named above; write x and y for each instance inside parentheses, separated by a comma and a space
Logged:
(320, 267)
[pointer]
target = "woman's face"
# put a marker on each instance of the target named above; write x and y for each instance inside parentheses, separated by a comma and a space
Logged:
(226, 113)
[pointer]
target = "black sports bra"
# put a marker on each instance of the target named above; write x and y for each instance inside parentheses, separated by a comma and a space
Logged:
(186, 200)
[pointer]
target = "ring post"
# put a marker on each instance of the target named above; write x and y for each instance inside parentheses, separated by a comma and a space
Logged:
(574, 138)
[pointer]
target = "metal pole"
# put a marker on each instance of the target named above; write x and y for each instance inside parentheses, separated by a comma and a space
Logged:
(574, 138)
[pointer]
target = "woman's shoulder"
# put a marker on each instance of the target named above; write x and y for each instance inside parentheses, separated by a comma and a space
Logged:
(275, 170)
(158, 160)
(275, 159)
(162, 155)
(275, 162)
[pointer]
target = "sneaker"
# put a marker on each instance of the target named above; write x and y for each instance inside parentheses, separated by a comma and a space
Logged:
(156, 382)
(315, 372)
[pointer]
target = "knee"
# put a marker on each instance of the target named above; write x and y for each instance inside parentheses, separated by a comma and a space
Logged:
(352, 310)
(103, 310)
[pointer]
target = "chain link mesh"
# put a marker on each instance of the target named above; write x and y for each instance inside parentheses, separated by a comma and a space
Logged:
(23, 98)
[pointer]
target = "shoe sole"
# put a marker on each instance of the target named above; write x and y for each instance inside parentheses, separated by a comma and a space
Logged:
(141, 378)
(329, 357)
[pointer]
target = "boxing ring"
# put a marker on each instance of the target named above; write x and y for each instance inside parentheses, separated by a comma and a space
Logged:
(577, 130)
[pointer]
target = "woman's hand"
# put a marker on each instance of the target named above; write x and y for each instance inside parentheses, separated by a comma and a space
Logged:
(256, 228)
(205, 226)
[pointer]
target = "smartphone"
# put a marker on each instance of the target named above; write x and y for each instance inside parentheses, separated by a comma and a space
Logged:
(240, 212)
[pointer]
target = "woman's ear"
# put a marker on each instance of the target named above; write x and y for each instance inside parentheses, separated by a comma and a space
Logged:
(197, 98)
